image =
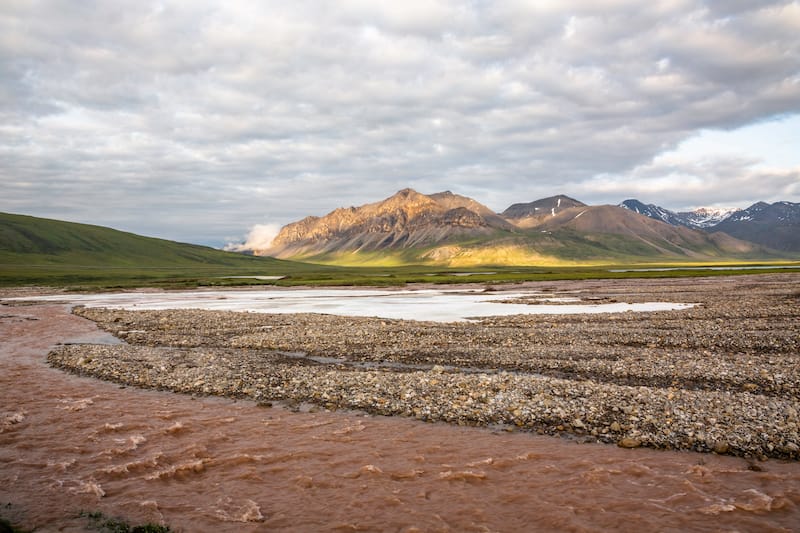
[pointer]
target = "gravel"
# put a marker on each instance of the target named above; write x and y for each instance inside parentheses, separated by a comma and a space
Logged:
(722, 377)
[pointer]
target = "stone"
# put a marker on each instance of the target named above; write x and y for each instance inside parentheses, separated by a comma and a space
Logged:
(721, 447)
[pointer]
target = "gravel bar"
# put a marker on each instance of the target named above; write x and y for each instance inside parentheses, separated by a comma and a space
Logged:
(722, 376)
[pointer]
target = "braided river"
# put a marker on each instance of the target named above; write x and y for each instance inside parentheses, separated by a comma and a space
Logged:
(70, 444)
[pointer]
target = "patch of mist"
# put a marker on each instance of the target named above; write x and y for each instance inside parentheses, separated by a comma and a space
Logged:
(259, 238)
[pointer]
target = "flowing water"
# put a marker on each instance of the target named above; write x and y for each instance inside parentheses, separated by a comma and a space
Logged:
(69, 443)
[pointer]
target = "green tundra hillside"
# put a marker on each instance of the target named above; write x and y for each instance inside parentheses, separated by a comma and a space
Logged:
(31, 240)
(43, 251)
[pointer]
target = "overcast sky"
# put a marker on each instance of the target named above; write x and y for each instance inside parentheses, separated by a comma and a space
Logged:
(196, 120)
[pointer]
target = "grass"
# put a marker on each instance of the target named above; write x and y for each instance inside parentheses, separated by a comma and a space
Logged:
(80, 278)
(503, 274)
(37, 251)
(97, 521)
(30, 241)
(8, 527)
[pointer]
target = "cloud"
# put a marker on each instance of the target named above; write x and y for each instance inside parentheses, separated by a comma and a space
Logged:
(724, 181)
(259, 238)
(193, 120)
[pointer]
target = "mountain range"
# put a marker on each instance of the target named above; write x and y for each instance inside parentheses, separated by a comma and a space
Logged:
(775, 226)
(444, 229)
(454, 230)
(703, 218)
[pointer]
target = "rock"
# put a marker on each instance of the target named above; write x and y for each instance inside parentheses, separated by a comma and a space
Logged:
(629, 442)
(721, 447)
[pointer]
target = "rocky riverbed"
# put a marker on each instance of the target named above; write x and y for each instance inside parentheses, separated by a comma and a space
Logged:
(722, 376)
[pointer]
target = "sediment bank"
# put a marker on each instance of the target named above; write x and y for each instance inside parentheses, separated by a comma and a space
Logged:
(723, 376)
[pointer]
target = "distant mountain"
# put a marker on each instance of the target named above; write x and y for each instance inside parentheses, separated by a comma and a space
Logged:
(528, 214)
(706, 217)
(662, 238)
(655, 212)
(448, 229)
(774, 225)
(702, 218)
(406, 220)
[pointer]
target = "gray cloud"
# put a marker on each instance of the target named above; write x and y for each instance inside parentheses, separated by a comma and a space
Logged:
(196, 121)
(686, 185)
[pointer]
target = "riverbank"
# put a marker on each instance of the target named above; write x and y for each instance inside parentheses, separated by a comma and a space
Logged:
(723, 376)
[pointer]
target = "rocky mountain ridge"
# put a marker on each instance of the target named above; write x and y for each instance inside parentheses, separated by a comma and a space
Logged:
(701, 218)
(405, 220)
(446, 228)
(655, 212)
(526, 215)
(706, 217)
(776, 225)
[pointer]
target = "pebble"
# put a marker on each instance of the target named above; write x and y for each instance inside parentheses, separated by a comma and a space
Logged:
(723, 376)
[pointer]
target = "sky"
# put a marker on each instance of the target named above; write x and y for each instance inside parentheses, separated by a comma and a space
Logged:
(202, 121)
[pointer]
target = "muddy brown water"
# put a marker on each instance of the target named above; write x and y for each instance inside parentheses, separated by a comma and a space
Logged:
(69, 443)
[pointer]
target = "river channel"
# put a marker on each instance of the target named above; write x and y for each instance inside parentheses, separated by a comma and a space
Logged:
(70, 444)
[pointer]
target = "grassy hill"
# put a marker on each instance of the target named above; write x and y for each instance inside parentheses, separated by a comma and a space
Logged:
(31, 240)
(43, 251)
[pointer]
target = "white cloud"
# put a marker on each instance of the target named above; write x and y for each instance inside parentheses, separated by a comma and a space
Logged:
(260, 237)
(213, 113)
(681, 181)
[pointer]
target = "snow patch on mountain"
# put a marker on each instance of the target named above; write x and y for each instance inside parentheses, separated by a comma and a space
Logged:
(706, 217)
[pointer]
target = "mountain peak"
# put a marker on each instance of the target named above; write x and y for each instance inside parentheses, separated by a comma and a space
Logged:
(545, 207)
(707, 217)
(407, 192)
(653, 211)
(775, 225)
(701, 218)
(407, 200)
(405, 219)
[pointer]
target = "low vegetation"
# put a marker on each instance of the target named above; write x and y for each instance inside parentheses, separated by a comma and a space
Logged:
(8, 527)
(37, 251)
(97, 521)
(81, 278)
(41, 252)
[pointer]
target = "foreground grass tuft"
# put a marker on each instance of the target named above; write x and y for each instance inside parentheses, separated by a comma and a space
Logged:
(8, 527)
(100, 522)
